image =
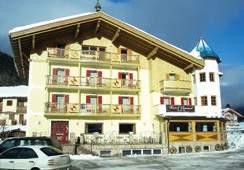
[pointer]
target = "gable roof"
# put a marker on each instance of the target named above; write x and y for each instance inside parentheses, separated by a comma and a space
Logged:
(232, 111)
(25, 39)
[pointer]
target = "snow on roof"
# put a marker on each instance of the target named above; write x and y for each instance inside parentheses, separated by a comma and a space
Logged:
(14, 91)
(22, 28)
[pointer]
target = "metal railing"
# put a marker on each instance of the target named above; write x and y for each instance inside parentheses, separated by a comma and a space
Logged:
(113, 138)
(95, 56)
(92, 109)
(93, 82)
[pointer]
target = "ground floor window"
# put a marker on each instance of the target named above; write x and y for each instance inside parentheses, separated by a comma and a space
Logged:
(125, 128)
(93, 128)
(179, 127)
(205, 127)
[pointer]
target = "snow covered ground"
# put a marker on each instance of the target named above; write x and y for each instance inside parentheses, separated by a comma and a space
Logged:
(205, 161)
(225, 160)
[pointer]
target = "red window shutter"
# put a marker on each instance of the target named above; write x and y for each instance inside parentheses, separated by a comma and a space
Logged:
(130, 76)
(132, 100)
(54, 98)
(120, 75)
(100, 74)
(88, 99)
(55, 71)
(66, 99)
(161, 100)
(172, 101)
(66, 72)
(100, 100)
(190, 102)
(88, 73)
(182, 101)
(120, 100)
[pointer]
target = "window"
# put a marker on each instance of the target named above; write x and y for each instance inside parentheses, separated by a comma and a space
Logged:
(204, 100)
(51, 151)
(211, 77)
(125, 128)
(205, 127)
(202, 77)
(93, 128)
(27, 153)
(11, 154)
(195, 101)
(9, 102)
(179, 127)
(186, 101)
(11, 116)
(19, 153)
(167, 100)
(172, 76)
(213, 101)
(91, 50)
(124, 53)
(194, 78)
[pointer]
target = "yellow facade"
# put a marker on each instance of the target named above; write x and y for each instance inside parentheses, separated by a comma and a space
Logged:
(121, 85)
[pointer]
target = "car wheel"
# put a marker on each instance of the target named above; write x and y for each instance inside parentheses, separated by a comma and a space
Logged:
(35, 169)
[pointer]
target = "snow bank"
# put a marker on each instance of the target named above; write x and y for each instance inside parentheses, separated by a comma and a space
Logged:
(84, 157)
(14, 91)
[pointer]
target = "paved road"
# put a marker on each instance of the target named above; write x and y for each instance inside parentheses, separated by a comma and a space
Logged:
(204, 161)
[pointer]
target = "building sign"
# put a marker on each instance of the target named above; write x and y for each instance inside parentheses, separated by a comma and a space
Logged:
(180, 108)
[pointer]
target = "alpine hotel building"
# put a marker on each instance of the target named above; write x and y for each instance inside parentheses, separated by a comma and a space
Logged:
(96, 77)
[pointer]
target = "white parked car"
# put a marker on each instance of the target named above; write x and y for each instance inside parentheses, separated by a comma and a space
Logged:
(34, 158)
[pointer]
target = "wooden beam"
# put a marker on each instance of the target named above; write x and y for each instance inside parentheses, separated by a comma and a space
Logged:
(152, 53)
(116, 35)
(98, 26)
(77, 31)
(188, 67)
(33, 41)
(21, 58)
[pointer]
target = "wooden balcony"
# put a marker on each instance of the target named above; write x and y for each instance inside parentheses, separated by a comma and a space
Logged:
(76, 110)
(88, 57)
(93, 83)
(175, 87)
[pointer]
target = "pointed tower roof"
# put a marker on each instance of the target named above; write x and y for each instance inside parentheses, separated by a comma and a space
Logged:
(203, 50)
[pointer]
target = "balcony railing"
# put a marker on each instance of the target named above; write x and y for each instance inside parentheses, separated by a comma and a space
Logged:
(93, 82)
(179, 87)
(114, 109)
(94, 56)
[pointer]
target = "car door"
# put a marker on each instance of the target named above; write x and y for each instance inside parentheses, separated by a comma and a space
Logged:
(7, 158)
(27, 158)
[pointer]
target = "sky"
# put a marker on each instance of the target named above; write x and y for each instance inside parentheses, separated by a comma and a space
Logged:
(179, 22)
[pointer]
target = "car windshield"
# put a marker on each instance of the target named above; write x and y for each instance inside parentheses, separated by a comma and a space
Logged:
(51, 151)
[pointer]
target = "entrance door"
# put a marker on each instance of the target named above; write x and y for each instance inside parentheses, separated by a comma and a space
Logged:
(60, 131)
